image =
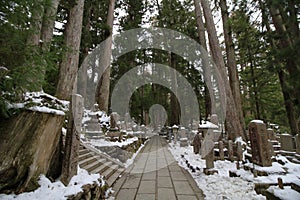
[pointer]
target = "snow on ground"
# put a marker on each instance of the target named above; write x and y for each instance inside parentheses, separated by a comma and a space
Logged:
(57, 190)
(104, 143)
(284, 194)
(217, 186)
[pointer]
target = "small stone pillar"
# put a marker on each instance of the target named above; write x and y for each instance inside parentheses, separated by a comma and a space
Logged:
(280, 183)
(230, 150)
(221, 150)
(239, 151)
(197, 143)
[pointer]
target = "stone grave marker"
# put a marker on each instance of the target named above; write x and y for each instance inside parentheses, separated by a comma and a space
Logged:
(239, 151)
(183, 137)
(207, 149)
(259, 143)
(114, 130)
(230, 150)
(286, 141)
(221, 150)
(197, 143)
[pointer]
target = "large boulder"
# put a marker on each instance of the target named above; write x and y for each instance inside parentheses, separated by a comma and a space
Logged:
(28, 143)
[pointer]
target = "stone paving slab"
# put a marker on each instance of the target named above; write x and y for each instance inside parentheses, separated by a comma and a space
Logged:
(183, 187)
(156, 175)
(166, 194)
(164, 181)
(147, 187)
(145, 196)
(127, 194)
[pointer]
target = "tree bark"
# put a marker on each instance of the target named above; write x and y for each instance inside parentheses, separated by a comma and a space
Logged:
(70, 60)
(231, 62)
(48, 25)
(36, 23)
(288, 103)
(233, 123)
(175, 119)
(286, 37)
(102, 96)
(209, 102)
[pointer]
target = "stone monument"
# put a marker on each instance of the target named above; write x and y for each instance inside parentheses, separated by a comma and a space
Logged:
(286, 141)
(114, 130)
(183, 137)
(259, 143)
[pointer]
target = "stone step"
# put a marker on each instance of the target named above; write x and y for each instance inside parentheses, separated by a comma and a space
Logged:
(90, 167)
(87, 160)
(101, 168)
(113, 178)
(109, 171)
(81, 147)
(83, 151)
(84, 156)
(96, 162)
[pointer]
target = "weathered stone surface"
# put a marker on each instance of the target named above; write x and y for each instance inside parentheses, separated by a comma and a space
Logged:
(259, 143)
(114, 118)
(286, 141)
(28, 142)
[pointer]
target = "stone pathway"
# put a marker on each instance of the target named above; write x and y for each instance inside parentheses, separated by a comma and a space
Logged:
(156, 175)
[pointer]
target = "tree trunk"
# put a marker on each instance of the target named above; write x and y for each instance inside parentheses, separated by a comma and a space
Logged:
(288, 103)
(291, 94)
(33, 46)
(174, 103)
(102, 96)
(36, 23)
(231, 62)
(286, 35)
(70, 60)
(48, 25)
(233, 123)
(209, 102)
